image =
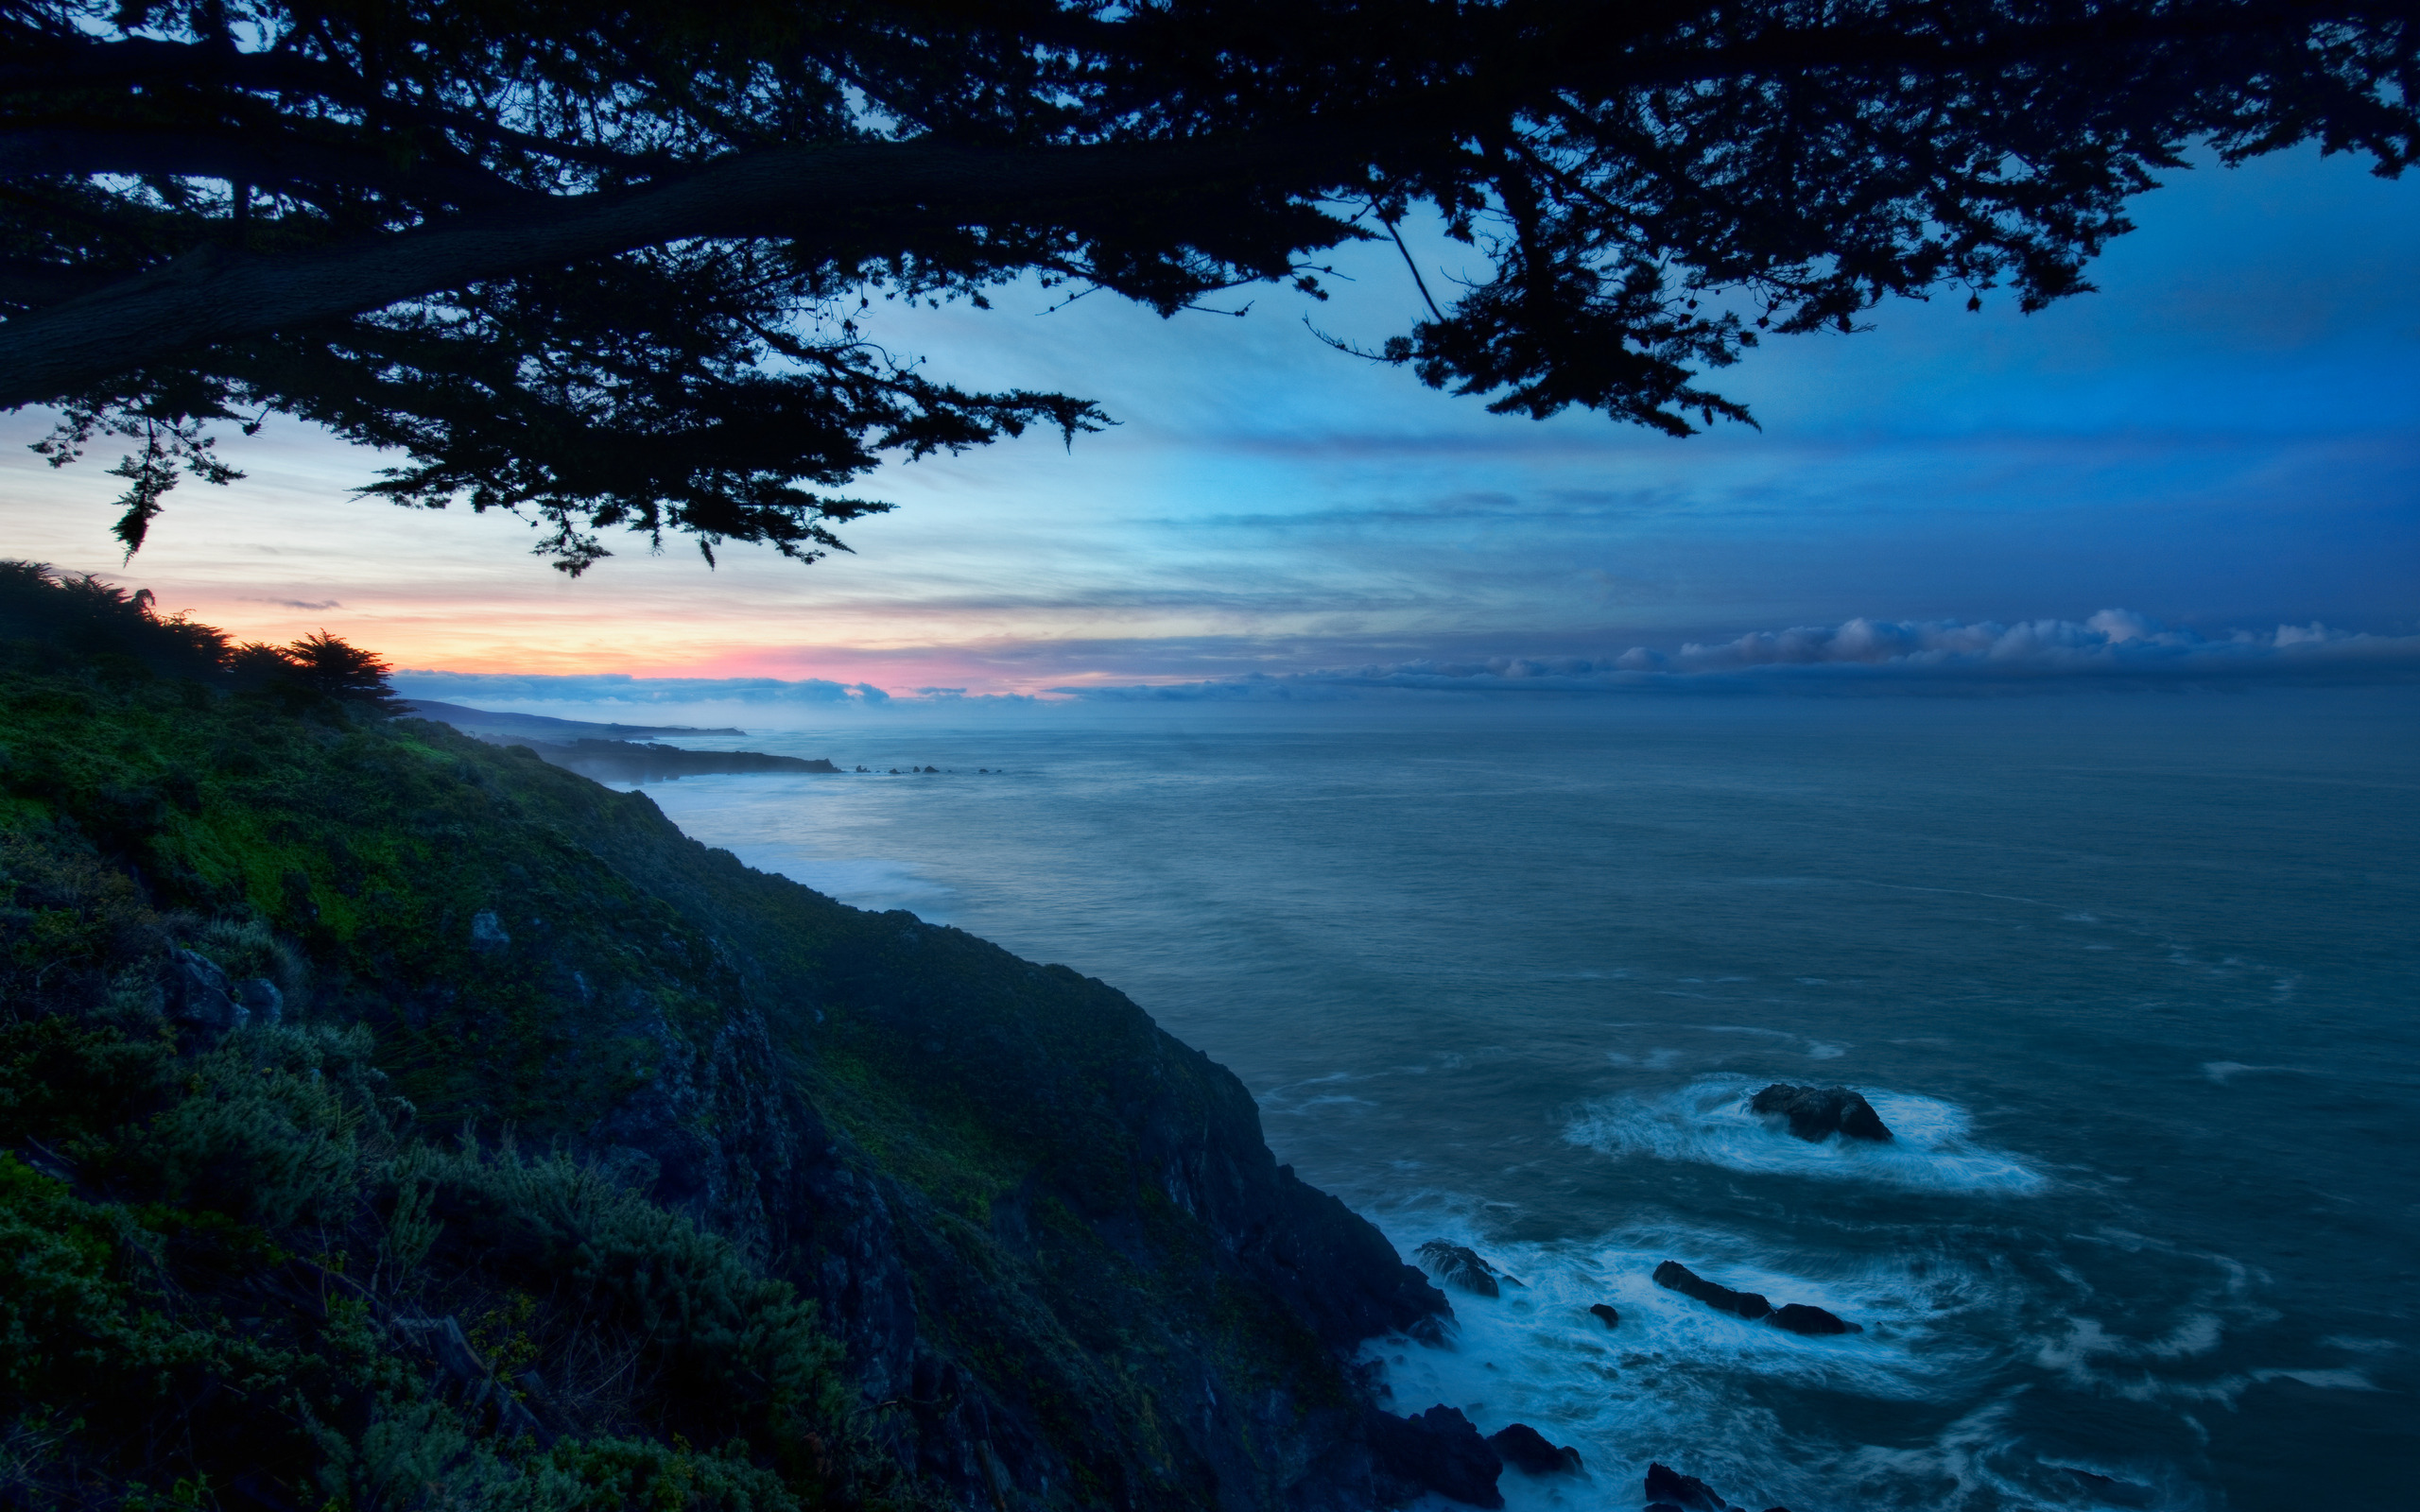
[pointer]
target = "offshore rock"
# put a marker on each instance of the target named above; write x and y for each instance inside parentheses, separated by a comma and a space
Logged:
(1679, 1277)
(1528, 1450)
(1438, 1451)
(1816, 1113)
(1604, 1312)
(1800, 1318)
(1668, 1490)
(1459, 1266)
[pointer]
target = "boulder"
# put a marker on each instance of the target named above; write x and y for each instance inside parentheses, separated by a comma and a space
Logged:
(1438, 1451)
(1800, 1318)
(197, 997)
(1816, 1113)
(1666, 1486)
(1605, 1314)
(1457, 1265)
(1527, 1450)
(262, 999)
(1679, 1277)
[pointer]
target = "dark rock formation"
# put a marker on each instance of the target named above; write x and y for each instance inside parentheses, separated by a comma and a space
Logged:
(1604, 1312)
(198, 998)
(1457, 1265)
(1527, 1450)
(1438, 1451)
(1669, 1488)
(1679, 1277)
(1800, 1318)
(261, 999)
(1816, 1114)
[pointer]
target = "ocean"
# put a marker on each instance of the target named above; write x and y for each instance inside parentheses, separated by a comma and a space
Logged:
(2131, 977)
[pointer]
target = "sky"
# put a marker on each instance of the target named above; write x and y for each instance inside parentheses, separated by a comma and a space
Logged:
(2210, 468)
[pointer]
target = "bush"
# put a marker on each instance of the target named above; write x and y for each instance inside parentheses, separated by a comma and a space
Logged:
(258, 1136)
(705, 1327)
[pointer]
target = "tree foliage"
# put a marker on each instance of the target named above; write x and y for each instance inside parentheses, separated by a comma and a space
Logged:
(607, 264)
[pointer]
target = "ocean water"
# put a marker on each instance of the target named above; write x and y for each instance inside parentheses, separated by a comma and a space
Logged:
(2133, 977)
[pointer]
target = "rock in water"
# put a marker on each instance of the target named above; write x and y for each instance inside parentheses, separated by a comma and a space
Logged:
(1457, 1265)
(1605, 1312)
(1669, 1488)
(1799, 1318)
(1527, 1450)
(1679, 1277)
(1816, 1114)
(1438, 1451)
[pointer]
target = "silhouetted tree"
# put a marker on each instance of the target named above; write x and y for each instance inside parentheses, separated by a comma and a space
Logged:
(334, 668)
(604, 262)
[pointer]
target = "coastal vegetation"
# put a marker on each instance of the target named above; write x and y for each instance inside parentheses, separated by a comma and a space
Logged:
(389, 1119)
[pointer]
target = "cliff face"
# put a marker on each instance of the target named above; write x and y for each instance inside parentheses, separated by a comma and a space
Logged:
(1060, 1266)
(1047, 1230)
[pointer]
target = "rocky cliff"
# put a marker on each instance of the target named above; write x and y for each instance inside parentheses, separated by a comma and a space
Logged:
(508, 1015)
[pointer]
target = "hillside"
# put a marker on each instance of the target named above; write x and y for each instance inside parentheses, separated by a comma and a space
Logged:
(390, 1119)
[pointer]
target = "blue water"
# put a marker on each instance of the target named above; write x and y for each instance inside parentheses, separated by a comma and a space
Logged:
(2133, 977)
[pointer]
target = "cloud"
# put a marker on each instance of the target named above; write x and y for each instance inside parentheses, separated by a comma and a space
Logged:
(2114, 648)
(294, 603)
(619, 688)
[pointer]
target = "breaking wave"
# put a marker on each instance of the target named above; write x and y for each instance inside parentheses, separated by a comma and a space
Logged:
(1708, 1123)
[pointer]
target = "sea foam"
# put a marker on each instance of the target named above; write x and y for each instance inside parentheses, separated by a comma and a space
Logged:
(1665, 1383)
(1708, 1121)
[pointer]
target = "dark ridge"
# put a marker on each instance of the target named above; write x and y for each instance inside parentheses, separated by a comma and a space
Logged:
(625, 760)
(544, 727)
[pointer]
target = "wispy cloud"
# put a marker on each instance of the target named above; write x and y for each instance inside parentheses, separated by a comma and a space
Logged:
(2114, 647)
(294, 603)
(606, 689)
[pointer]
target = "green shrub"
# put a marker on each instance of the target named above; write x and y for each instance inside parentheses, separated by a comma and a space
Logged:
(258, 1136)
(706, 1326)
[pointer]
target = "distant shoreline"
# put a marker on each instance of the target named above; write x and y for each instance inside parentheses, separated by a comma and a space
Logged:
(605, 752)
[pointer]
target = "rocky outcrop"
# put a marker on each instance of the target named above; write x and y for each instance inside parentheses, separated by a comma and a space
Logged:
(1668, 1490)
(1816, 1113)
(1460, 1265)
(1137, 1184)
(205, 1005)
(1679, 1277)
(1531, 1453)
(1605, 1314)
(1438, 1451)
(1798, 1317)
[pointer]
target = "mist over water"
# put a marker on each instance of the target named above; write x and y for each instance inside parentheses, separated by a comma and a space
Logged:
(2131, 977)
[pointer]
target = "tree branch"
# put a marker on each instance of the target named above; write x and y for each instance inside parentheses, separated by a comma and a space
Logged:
(213, 293)
(255, 156)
